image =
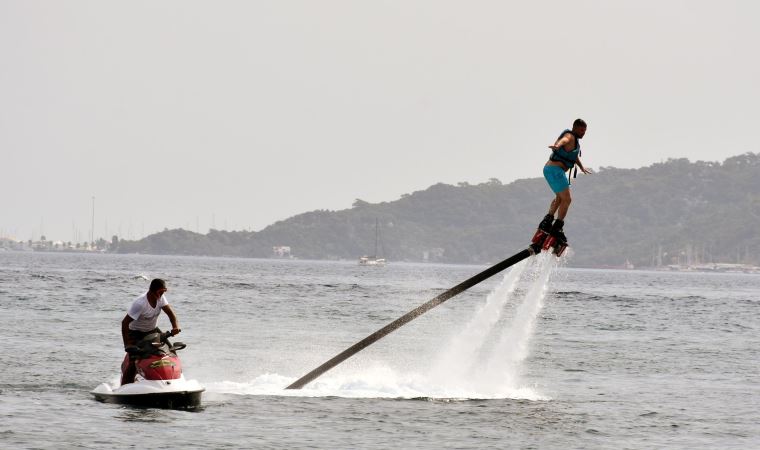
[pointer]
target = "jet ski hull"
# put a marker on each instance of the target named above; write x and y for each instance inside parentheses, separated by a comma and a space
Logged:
(174, 394)
(170, 400)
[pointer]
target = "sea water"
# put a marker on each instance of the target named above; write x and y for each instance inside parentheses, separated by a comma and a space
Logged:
(540, 356)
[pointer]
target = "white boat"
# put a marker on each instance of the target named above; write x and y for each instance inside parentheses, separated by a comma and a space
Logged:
(373, 260)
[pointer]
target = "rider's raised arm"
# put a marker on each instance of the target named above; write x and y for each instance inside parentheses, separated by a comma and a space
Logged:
(562, 142)
(172, 318)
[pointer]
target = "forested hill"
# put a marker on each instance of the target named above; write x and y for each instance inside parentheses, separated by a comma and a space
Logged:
(665, 213)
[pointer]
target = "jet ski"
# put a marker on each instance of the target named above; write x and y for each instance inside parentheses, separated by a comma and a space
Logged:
(159, 382)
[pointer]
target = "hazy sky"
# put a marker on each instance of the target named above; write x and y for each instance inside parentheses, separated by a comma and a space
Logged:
(183, 113)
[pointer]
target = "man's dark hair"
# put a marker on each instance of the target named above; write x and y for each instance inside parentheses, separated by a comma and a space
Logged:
(579, 123)
(157, 284)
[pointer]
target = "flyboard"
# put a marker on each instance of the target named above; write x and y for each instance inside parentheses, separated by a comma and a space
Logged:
(542, 240)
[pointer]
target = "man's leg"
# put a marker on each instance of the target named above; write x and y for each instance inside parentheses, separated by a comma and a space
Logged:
(129, 371)
(546, 223)
(556, 228)
(563, 199)
(555, 176)
(128, 376)
(554, 205)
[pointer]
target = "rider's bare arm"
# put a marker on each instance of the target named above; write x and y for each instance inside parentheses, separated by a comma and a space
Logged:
(583, 169)
(172, 318)
(563, 142)
(125, 329)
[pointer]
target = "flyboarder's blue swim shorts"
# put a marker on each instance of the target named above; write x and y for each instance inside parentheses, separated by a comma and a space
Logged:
(556, 178)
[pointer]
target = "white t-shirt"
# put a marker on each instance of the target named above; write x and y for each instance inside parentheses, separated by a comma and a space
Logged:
(144, 316)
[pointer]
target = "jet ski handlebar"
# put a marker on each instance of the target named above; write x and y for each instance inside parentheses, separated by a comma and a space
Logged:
(165, 339)
(156, 342)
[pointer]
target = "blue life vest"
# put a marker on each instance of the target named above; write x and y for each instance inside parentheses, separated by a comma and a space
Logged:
(565, 157)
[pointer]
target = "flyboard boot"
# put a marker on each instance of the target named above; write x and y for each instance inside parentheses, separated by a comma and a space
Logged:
(556, 241)
(544, 228)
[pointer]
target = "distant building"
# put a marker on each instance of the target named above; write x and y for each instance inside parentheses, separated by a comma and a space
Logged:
(281, 251)
(42, 245)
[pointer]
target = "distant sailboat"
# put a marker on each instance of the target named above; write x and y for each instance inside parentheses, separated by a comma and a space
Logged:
(373, 260)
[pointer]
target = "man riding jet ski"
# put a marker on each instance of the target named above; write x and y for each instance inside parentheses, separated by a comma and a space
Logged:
(153, 357)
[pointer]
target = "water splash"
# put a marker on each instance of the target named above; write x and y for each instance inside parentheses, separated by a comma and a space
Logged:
(505, 365)
(468, 368)
(376, 382)
(458, 359)
(494, 371)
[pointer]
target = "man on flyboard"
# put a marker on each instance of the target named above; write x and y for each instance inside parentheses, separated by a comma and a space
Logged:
(566, 153)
